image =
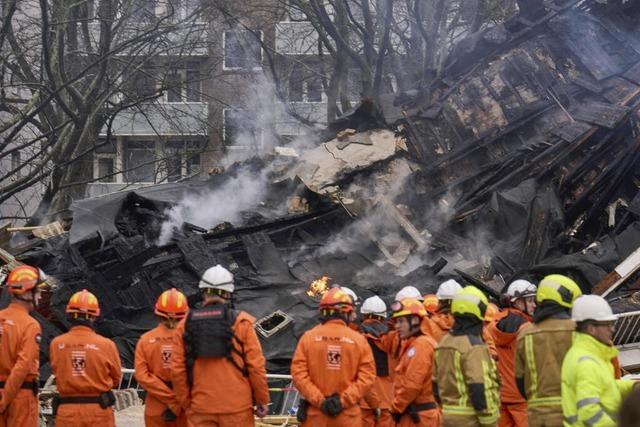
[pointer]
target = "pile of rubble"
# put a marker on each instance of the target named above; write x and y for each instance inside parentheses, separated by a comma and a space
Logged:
(523, 160)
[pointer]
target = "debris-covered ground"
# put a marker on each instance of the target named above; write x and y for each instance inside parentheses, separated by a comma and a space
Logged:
(523, 160)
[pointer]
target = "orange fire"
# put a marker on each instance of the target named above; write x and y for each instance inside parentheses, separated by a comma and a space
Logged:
(319, 287)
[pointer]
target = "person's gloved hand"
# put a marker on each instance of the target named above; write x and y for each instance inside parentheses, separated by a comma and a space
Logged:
(332, 405)
(262, 410)
(169, 416)
(511, 323)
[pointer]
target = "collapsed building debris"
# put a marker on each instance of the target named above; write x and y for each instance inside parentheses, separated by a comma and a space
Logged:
(506, 167)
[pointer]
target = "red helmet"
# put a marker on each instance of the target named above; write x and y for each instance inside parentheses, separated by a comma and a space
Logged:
(24, 279)
(83, 302)
(410, 307)
(336, 299)
(172, 304)
(431, 303)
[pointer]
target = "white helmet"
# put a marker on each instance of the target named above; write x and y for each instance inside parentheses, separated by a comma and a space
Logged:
(448, 289)
(374, 305)
(520, 289)
(592, 307)
(217, 277)
(352, 294)
(409, 292)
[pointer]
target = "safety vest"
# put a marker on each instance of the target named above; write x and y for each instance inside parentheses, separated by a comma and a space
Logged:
(591, 396)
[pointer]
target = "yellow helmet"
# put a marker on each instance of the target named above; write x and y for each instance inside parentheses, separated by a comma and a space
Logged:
(410, 307)
(559, 289)
(470, 300)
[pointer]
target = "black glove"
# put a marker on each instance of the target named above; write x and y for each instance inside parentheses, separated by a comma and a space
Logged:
(396, 417)
(332, 405)
(168, 416)
(511, 323)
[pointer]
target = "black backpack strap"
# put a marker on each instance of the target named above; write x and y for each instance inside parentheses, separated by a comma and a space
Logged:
(232, 317)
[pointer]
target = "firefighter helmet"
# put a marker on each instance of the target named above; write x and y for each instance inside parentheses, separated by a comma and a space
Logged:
(336, 299)
(172, 304)
(592, 307)
(410, 307)
(559, 289)
(374, 305)
(431, 302)
(25, 278)
(83, 302)
(470, 301)
(408, 292)
(521, 289)
(219, 278)
(448, 289)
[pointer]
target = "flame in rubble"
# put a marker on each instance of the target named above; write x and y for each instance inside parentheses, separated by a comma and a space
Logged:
(319, 287)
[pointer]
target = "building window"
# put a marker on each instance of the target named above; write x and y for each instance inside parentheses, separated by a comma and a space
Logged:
(304, 86)
(184, 84)
(239, 130)
(106, 169)
(142, 84)
(181, 159)
(143, 11)
(15, 162)
(178, 10)
(139, 161)
(242, 50)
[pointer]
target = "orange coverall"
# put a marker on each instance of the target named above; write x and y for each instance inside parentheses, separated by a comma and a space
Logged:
(513, 407)
(19, 363)
(332, 358)
(85, 364)
(413, 382)
(381, 394)
(220, 395)
(153, 356)
(437, 326)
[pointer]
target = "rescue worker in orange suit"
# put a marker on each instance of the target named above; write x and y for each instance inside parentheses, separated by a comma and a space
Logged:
(413, 400)
(493, 312)
(153, 356)
(217, 367)
(541, 347)
(86, 366)
(431, 304)
(439, 323)
(377, 413)
(465, 376)
(332, 367)
(20, 349)
(520, 301)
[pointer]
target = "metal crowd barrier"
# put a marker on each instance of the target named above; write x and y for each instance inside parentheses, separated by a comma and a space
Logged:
(627, 329)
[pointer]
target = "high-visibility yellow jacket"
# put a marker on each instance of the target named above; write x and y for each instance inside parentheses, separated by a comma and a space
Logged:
(540, 349)
(591, 396)
(466, 379)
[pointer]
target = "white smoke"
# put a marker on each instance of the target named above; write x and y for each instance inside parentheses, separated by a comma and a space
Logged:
(209, 208)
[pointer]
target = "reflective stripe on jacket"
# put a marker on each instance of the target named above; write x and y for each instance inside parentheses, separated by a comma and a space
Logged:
(591, 396)
(466, 379)
(540, 349)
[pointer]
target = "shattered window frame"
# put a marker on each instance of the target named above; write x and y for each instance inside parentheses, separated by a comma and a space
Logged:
(242, 61)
